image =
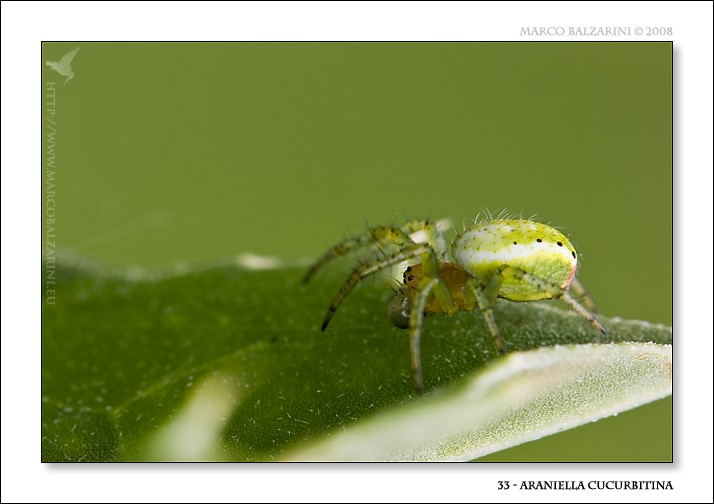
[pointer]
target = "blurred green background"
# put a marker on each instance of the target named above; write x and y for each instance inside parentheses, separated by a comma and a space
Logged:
(189, 153)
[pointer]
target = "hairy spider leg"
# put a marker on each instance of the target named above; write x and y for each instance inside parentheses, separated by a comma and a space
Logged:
(366, 269)
(375, 236)
(379, 237)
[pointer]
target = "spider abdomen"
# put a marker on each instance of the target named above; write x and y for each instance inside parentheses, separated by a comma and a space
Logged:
(513, 248)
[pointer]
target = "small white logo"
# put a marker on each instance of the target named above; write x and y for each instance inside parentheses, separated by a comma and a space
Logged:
(62, 66)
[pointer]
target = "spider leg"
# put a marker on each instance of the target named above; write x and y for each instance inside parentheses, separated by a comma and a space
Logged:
(556, 292)
(413, 239)
(582, 311)
(421, 231)
(366, 269)
(485, 298)
(431, 284)
(426, 232)
(416, 322)
(375, 236)
(584, 295)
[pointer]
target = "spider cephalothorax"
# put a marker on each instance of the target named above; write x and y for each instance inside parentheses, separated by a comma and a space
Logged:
(513, 259)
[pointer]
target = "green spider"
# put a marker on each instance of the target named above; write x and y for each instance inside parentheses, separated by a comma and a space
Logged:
(513, 259)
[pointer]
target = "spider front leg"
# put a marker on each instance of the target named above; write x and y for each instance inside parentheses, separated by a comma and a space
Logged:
(369, 268)
(416, 323)
(375, 236)
(431, 282)
(380, 237)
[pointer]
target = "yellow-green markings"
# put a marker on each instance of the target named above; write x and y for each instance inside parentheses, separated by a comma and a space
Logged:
(514, 259)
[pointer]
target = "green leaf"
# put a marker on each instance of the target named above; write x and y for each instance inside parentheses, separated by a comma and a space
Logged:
(522, 397)
(228, 363)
